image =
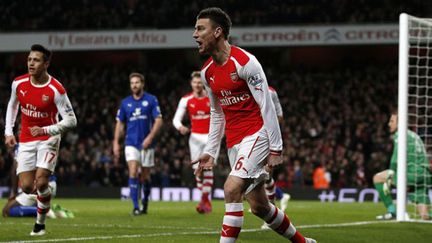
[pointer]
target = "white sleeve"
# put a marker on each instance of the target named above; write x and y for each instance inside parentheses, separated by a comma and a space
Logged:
(217, 122)
(179, 114)
(12, 111)
(256, 80)
(65, 109)
(276, 103)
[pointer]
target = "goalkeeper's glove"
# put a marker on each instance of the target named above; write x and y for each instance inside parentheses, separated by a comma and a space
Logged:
(388, 182)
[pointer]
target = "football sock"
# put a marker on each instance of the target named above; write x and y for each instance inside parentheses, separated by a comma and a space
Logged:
(270, 189)
(199, 184)
(133, 187)
(207, 181)
(386, 199)
(232, 222)
(146, 189)
(23, 211)
(279, 222)
(43, 205)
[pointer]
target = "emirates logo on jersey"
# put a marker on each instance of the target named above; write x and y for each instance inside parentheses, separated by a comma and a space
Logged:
(31, 110)
(201, 115)
(45, 98)
(229, 99)
(234, 76)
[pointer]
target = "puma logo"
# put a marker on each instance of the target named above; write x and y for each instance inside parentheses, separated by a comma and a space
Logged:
(258, 88)
(225, 230)
(23, 92)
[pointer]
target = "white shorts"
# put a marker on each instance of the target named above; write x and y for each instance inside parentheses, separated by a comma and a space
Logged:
(248, 158)
(41, 154)
(197, 143)
(144, 156)
(25, 199)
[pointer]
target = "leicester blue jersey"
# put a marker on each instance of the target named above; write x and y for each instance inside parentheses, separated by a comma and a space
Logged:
(139, 116)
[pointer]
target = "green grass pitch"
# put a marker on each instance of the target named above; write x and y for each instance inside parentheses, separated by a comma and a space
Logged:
(110, 220)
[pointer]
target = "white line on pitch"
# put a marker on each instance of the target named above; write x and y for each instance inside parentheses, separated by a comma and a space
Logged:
(345, 224)
(195, 233)
(115, 226)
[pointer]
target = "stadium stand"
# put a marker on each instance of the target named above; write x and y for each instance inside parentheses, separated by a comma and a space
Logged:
(343, 129)
(100, 14)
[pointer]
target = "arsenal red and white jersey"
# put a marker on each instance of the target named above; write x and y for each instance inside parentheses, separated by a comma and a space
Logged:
(198, 109)
(40, 106)
(276, 102)
(240, 100)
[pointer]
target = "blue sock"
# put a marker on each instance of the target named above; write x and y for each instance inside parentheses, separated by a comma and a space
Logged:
(133, 187)
(278, 193)
(23, 211)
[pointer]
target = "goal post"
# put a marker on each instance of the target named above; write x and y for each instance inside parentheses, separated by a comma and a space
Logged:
(414, 136)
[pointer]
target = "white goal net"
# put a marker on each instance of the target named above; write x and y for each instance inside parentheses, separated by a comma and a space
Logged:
(414, 136)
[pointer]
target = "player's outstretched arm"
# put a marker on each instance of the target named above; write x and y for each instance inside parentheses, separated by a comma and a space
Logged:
(9, 204)
(205, 162)
(217, 122)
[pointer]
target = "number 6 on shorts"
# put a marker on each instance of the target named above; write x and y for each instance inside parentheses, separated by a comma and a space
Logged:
(239, 163)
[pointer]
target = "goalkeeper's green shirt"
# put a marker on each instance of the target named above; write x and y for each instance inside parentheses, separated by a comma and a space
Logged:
(417, 162)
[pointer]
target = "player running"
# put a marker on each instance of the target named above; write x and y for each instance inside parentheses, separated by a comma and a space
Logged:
(40, 97)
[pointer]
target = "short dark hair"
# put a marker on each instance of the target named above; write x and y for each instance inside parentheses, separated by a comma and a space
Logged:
(218, 17)
(139, 75)
(40, 48)
(195, 74)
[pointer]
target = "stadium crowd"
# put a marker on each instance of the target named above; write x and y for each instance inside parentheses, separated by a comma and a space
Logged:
(336, 119)
(121, 14)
